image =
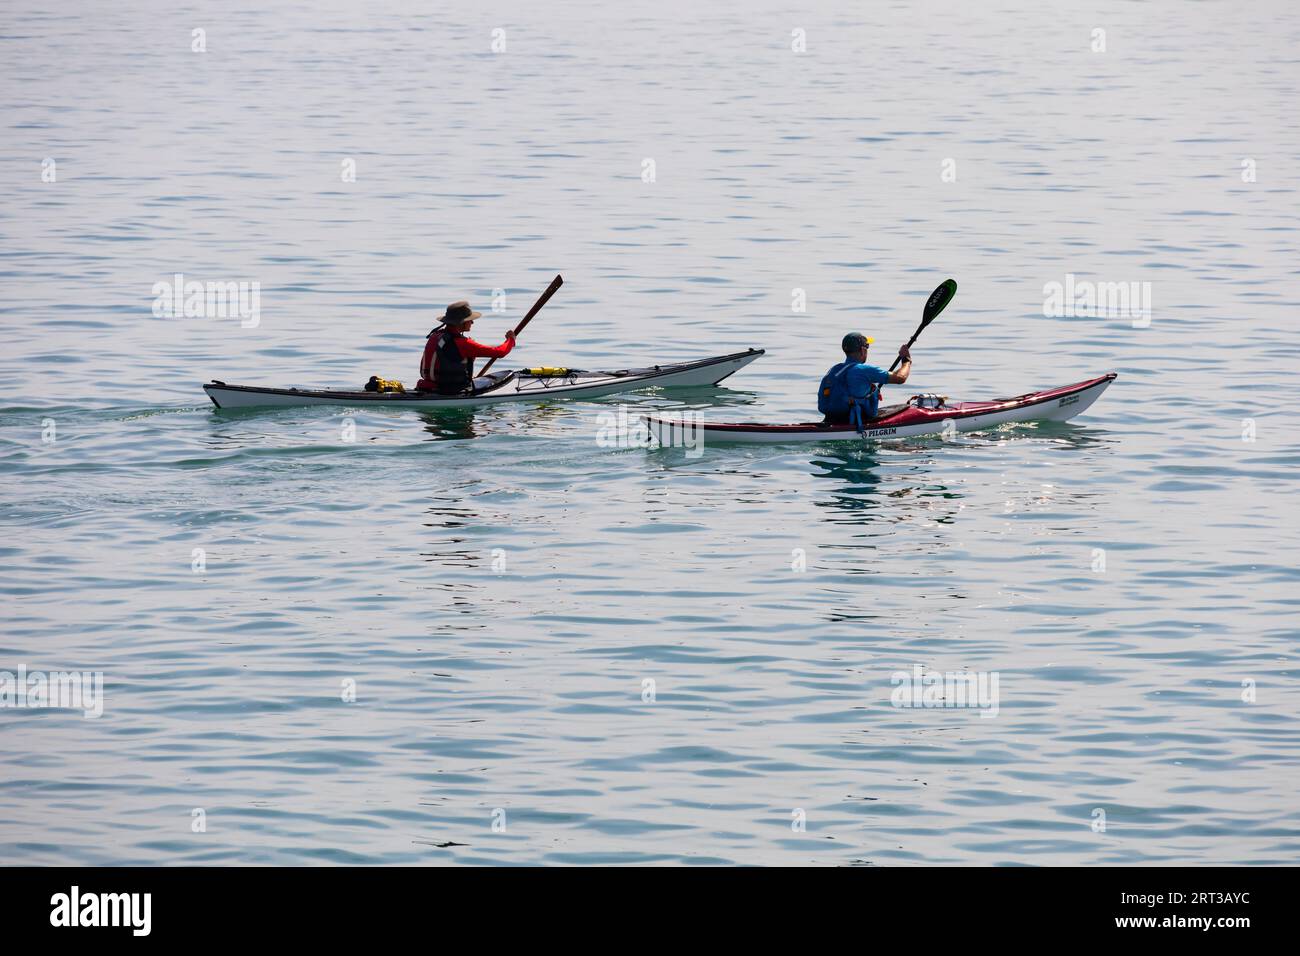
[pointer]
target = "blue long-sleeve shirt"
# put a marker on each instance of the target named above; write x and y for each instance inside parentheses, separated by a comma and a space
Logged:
(859, 379)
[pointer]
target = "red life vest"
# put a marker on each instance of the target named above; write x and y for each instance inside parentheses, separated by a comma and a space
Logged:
(442, 368)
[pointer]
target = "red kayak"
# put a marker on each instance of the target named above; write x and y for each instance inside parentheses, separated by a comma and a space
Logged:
(922, 415)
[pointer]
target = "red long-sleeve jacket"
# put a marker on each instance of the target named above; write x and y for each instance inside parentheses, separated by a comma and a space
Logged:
(468, 348)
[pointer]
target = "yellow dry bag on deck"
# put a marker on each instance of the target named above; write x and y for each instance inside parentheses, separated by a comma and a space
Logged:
(377, 384)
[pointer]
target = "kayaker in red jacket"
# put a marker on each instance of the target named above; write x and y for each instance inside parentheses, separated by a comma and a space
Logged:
(447, 366)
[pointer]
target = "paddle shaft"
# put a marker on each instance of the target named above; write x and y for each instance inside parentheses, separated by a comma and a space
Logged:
(537, 307)
(915, 335)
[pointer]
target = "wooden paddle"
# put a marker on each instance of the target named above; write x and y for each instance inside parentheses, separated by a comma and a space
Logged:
(537, 307)
(937, 302)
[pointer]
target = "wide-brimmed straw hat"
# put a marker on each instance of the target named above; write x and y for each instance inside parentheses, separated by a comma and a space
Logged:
(458, 313)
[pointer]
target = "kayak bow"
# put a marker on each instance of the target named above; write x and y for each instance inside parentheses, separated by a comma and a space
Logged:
(521, 386)
(900, 421)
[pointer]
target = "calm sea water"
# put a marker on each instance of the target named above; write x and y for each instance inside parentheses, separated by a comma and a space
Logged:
(567, 653)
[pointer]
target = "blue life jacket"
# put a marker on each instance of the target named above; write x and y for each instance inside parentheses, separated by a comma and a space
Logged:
(833, 394)
(834, 399)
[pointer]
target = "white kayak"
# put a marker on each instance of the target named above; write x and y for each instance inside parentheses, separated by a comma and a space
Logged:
(523, 385)
(921, 415)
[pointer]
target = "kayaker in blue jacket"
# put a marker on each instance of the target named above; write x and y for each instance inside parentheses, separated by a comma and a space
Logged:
(850, 391)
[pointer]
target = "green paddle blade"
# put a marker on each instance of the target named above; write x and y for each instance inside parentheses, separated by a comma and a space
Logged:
(938, 301)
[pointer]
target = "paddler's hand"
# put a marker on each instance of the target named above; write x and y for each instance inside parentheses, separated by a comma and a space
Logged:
(510, 335)
(905, 354)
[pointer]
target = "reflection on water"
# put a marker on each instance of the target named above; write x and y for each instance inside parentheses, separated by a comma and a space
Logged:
(855, 471)
(865, 489)
(450, 424)
(664, 402)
